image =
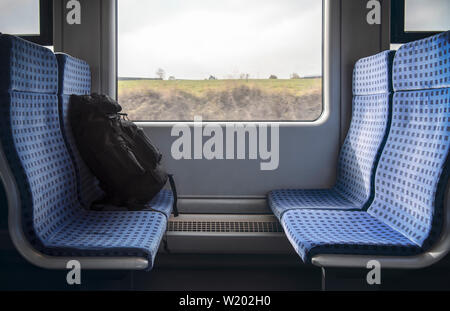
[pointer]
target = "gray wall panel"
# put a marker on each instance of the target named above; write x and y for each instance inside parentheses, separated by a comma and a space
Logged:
(305, 161)
(93, 40)
(358, 39)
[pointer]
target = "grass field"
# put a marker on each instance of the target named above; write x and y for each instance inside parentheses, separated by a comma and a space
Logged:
(254, 99)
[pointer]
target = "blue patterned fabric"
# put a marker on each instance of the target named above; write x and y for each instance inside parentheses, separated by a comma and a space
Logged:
(361, 149)
(162, 202)
(26, 67)
(53, 219)
(281, 201)
(110, 234)
(373, 74)
(313, 232)
(409, 181)
(75, 78)
(35, 149)
(74, 75)
(423, 64)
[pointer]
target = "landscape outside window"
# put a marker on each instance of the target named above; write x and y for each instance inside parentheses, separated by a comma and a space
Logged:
(221, 60)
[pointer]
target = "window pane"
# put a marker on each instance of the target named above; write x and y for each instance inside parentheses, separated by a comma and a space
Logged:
(429, 15)
(395, 46)
(222, 60)
(19, 17)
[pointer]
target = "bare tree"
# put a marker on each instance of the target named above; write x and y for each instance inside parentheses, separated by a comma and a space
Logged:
(244, 76)
(295, 76)
(273, 77)
(160, 73)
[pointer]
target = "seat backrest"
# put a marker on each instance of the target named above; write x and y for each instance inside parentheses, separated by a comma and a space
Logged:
(371, 107)
(74, 77)
(413, 168)
(31, 138)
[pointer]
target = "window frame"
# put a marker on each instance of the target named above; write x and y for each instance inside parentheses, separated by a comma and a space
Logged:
(45, 36)
(398, 33)
(323, 116)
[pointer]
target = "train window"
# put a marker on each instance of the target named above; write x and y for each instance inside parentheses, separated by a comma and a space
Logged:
(416, 19)
(222, 60)
(20, 18)
(29, 19)
(431, 15)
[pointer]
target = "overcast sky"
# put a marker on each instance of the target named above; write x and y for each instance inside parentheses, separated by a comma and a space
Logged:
(427, 15)
(197, 38)
(19, 16)
(192, 39)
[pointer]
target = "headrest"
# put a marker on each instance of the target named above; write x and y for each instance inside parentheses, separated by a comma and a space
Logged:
(372, 75)
(423, 64)
(74, 75)
(26, 67)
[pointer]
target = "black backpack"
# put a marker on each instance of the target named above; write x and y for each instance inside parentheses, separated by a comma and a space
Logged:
(126, 163)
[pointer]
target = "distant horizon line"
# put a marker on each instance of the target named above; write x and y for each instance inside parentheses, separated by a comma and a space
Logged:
(144, 78)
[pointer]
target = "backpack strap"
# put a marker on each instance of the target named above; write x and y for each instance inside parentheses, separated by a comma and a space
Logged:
(174, 193)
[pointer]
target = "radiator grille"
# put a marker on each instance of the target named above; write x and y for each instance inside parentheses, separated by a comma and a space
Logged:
(225, 226)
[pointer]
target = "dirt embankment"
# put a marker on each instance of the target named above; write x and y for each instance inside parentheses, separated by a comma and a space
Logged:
(238, 103)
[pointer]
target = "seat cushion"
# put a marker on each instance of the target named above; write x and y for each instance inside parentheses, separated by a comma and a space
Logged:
(110, 234)
(371, 108)
(313, 232)
(162, 203)
(74, 75)
(414, 166)
(362, 147)
(75, 78)
(281, 201)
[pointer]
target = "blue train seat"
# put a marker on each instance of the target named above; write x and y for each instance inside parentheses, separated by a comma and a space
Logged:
(74, 77)
(359, 154)
(33, 146)
(406, 215)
